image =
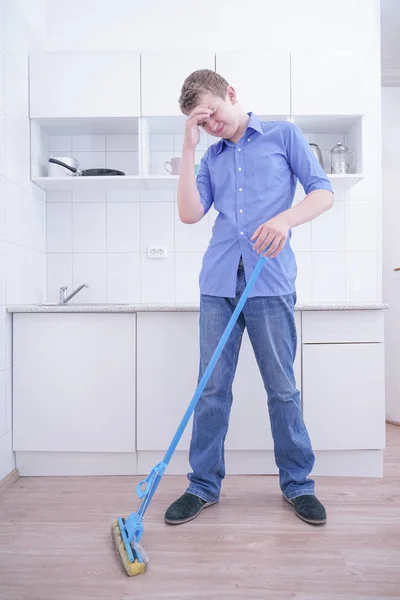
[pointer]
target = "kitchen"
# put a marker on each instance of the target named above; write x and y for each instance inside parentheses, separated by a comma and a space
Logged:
(104, 96)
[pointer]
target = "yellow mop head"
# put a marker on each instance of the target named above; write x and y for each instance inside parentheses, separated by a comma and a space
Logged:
(135, 568)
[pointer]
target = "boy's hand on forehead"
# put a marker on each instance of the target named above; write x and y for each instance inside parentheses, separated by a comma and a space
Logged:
(196, 119)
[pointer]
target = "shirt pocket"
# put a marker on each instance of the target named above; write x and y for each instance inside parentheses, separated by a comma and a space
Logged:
(266, 172)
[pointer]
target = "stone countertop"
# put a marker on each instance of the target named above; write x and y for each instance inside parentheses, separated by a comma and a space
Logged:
(135, 308)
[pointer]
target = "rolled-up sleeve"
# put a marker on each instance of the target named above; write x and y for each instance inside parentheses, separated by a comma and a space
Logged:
(303, 162)
(203, 181)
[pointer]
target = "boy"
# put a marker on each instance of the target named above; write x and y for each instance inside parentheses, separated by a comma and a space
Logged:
(250, 176)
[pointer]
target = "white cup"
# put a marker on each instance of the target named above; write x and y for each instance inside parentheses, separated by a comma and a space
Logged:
(175, 165)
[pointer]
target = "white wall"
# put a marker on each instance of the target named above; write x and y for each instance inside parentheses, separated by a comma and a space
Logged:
(22, 205)
(391, 244)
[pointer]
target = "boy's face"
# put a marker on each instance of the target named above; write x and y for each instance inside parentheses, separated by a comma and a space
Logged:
(224, 121)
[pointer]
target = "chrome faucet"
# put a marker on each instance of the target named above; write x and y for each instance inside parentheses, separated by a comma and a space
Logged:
(63, 293)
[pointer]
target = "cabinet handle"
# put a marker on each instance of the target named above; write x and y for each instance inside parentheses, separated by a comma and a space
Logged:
(396, 269)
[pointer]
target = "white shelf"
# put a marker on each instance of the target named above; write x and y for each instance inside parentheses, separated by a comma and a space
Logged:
(134, 182)
(62, 184)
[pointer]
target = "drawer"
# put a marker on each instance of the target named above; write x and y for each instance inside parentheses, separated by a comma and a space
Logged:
(341, 326)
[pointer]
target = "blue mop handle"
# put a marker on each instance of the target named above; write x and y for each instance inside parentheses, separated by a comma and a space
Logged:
(146, 488)
(214, 358)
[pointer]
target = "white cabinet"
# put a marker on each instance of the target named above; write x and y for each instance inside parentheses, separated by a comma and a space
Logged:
(167, 372)
(261, 79)
(328, 83)
(163, 73)
(343, 387)
(84, 84)
(74, 382)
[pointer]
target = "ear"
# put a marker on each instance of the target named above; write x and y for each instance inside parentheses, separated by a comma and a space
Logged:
(231, 94)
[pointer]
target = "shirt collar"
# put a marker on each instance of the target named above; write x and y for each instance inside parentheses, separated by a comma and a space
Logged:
(254, 123)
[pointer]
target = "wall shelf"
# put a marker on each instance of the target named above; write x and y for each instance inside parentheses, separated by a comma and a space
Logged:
(154, 182)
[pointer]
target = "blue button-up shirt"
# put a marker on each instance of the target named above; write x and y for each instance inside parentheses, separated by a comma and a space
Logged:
(249, 183)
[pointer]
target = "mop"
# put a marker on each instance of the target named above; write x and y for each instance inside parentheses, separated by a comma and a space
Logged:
(126, 533)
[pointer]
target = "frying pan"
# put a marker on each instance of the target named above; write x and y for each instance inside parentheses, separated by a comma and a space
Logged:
(86, 172)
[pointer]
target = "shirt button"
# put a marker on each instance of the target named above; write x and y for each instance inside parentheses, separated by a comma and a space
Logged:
(248, 139)
(242, 233)
(241, 210)
(238, 149)
(240, 189)
(240, 168)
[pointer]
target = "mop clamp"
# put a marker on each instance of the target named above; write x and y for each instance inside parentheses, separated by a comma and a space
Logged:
(144, 486)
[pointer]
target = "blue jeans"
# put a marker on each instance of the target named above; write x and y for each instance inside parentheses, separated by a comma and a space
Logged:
(272, 332)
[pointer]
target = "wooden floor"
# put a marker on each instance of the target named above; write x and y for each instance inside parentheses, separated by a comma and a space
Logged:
(55, 542)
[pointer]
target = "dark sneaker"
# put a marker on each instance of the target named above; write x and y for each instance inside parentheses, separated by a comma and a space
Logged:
(186, 508)
(308, 508)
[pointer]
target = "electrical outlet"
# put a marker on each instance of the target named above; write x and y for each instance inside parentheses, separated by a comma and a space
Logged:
(157, 252)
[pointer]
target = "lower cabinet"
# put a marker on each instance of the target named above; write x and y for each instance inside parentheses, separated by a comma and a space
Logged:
(344, 403)
(74, 382)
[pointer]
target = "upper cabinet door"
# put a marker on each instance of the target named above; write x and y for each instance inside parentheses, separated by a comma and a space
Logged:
(85, 84)
(328, 83)
(163, 74)
(261, 79)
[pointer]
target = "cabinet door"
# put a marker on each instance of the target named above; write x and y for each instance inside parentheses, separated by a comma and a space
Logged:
(74, 382)
(328, 83)
(343, 395)
(163, 73)
(84, 84)
(261, 79)
(167, 371)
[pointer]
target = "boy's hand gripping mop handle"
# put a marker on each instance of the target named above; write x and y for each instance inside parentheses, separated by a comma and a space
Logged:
(132, 528)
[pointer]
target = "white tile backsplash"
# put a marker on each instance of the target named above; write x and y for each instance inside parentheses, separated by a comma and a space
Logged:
(91, 269)
(361, 226)
(123, 196)
(304, 277)
(127, 162)
(187, 270)
(89, 227)
(59, 196)
(158, 280)
(25, 275)
(60, 143)
(301, 238)
(157, 226)
(162, 143)
(86, 194)
(328, 276)
(157, 195)
(123, 227)
(122, 143)
(59, 274)
(362, 277)
(123, 278)
(191, 238)
(16, 94)
(90, 160)
(328, 231)
(88, 143)
(59, 227)
(25, 218)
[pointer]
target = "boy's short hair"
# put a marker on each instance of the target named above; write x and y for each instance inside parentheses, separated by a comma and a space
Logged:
(199, 83)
